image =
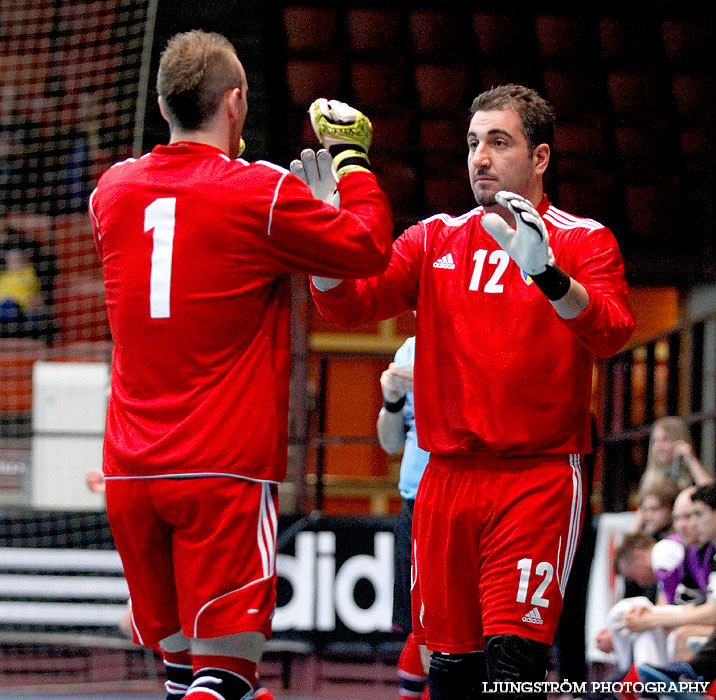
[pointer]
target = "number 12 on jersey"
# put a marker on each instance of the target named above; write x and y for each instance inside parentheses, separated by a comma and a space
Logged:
(160, 218)
(543, 569)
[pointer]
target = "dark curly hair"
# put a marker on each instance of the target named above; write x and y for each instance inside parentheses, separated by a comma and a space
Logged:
(538, 115)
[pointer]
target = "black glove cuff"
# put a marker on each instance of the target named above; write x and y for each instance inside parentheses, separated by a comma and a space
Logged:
(553, 282)
(340, 147)
(394, 406)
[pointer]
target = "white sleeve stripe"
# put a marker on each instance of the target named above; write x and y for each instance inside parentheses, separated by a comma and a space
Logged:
(273, 203)
(564, 220)
(93, 215)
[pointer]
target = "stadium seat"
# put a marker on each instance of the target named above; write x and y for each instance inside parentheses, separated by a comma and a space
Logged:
(584, 137)
(309, 29)
(308, 79)
(17, 356)
(392, 130)
(634, 92)
(499, 35)
(378, 84)
(644, 205)
(399, 182)
(74, 245)
(693, 95)
(624, 42)
(79, 308)
(437, 34)
(593, 197)
(441, 87)
(564, 37)
(573, 91)
(373, 31)
(688, 43)
(450, 196)
(445, 133)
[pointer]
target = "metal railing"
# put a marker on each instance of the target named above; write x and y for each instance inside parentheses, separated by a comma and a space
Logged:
(670, 374)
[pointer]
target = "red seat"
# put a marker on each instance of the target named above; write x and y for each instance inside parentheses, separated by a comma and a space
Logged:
(689, 42)
(634, 92)
(451, 196)
(562, 37)
(445, 134)
(441, 86)
(309, 79)
(581, 137)
(498, 35)
(378, 84)
(309, 29)
(436, 34)
(399, 182)
(593, 197)
(573, 91)
(17, 356)
(79, 309)
(373, 31)
(74, 245)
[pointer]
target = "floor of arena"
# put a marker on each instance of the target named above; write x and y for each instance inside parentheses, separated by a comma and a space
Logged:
(357, 683)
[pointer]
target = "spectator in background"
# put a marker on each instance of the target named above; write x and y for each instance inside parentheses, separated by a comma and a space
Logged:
(20, 300)
(640, 632)
(654, 516)
(37, 263)
(702, 666)
(396, 431)
(671, 455)
(682, 564)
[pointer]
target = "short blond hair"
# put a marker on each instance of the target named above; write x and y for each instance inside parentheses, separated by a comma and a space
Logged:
(195, 70)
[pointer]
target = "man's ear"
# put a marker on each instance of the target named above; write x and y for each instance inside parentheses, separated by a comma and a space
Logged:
(236, 99)
(163, 109)
(540, 158)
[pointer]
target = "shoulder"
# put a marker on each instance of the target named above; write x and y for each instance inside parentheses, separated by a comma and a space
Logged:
(440, 225)
(559, 219)
(446, 221)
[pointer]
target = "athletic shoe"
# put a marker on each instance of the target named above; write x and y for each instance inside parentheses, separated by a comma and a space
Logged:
(679, 672)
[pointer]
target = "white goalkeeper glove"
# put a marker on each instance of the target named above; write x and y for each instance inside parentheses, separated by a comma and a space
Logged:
(345, 132)
(316, 170)
(528, 243)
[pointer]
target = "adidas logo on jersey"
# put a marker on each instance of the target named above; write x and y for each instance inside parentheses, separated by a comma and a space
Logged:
(446, 262)
(533, 617)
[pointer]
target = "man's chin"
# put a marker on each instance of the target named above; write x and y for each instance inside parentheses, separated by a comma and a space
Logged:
(485, 199)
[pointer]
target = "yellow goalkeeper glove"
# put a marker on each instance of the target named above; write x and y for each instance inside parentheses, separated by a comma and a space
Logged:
(345, 132)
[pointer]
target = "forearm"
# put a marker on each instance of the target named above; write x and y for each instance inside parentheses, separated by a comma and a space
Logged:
(699, 474)
(573, 303)
(391, 431)
(677, 615)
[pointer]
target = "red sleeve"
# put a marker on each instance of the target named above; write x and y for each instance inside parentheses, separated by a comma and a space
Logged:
(608, 322)
(378, 298)
(353, 241)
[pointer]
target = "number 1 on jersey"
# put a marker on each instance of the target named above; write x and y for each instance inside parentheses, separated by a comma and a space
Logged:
(160, 218)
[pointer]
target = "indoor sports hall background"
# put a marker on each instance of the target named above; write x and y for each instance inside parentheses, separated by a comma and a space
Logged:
(635, 148)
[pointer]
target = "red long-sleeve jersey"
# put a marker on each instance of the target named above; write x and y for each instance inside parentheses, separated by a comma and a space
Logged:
(196, 252)
(496, 369)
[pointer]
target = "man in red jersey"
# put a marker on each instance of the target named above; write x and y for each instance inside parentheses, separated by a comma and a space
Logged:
(196, 250)
(514, 299)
